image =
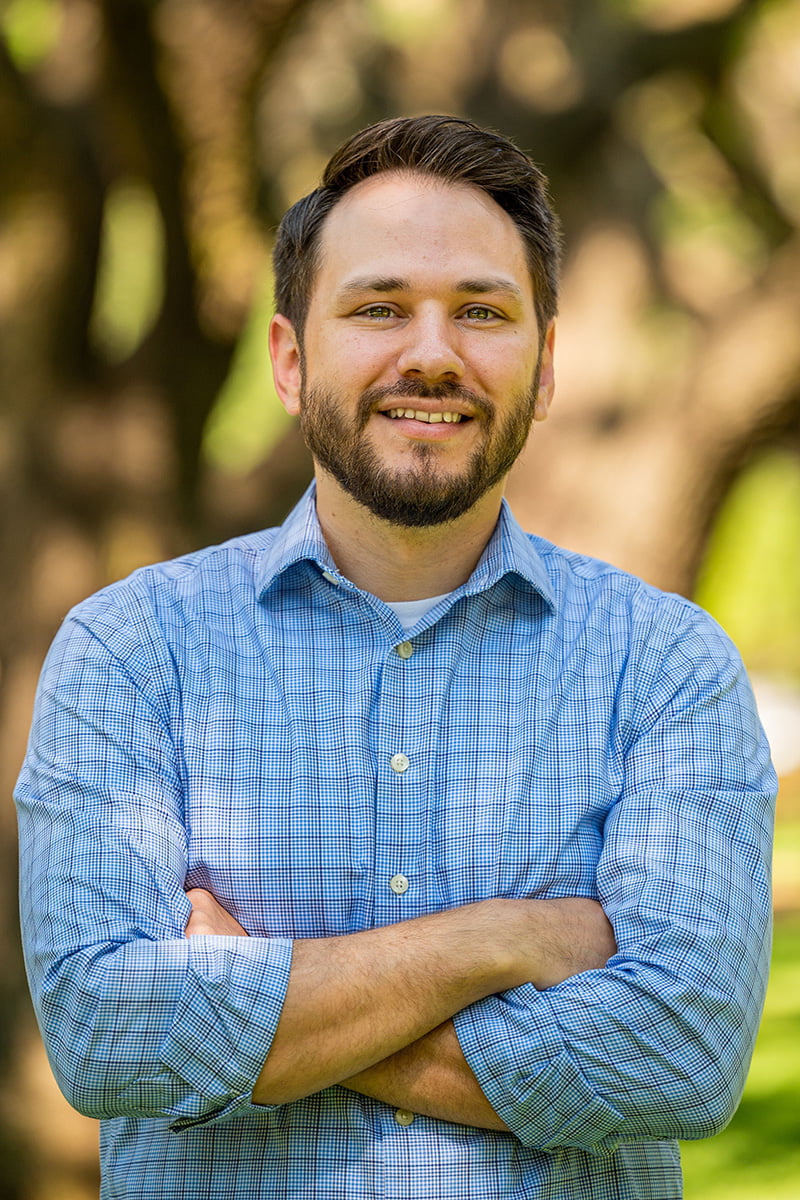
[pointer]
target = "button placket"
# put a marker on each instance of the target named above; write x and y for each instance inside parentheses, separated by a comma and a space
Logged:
(400, 810)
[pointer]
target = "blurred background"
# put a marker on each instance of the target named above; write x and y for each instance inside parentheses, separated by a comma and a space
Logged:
(147, 151)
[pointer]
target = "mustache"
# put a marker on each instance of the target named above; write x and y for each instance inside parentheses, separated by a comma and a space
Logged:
(406, 389)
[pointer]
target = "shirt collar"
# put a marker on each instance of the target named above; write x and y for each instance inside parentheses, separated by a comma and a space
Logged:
(298, 539)
(509, 551)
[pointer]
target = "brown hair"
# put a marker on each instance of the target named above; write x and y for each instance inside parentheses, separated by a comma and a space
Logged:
(449, 148)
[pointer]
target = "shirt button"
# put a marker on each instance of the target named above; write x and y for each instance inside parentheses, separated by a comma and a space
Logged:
(398, 884)
(399, 763)
(403, 1116)
(405, 649)
(330, 578)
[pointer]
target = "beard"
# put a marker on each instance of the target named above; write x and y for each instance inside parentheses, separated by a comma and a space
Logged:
(421, 494)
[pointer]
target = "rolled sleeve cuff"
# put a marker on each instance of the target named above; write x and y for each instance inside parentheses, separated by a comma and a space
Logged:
(225, 1022)
(513, 1046)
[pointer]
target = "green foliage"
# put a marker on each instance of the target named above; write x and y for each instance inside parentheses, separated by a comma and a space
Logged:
(758, 1155)
(130, 281)
(787, 856)
(30, 29)
(248, 417)
(751, 578)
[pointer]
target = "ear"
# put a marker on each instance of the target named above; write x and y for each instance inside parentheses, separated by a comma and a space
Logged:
(284, 350)
(547, 382)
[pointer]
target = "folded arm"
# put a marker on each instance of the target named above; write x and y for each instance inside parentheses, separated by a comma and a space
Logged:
(140, 1020)
(656, 1044)
(431, 1076)
(358, 1008)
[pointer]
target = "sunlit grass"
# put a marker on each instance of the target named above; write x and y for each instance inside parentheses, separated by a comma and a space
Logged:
(758, 1156)
(787, 870)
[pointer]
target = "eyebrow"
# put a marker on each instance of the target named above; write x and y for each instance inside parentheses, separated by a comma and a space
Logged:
(374, 283)
(480, 287)
(473, 287)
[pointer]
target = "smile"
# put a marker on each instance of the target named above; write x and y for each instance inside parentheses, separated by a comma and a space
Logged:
(432, 418)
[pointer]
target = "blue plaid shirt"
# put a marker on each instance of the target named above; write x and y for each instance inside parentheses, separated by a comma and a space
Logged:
(229, 721)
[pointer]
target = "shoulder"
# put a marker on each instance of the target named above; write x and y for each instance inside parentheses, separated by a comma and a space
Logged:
(229, 566)
(578, 579)
(171, 603)
(632, 621)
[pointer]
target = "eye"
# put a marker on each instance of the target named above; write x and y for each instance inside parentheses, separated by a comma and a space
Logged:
(481, 313)
(376, 312)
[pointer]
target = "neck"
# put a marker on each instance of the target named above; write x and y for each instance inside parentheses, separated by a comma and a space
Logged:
(399, 562)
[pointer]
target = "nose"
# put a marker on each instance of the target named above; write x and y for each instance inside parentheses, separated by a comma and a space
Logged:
(431, 350)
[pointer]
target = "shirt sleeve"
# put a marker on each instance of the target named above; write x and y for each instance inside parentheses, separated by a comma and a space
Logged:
(657, 1044)
(138, 1020)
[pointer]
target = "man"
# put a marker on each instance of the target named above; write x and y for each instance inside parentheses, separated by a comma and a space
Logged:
(425, 761)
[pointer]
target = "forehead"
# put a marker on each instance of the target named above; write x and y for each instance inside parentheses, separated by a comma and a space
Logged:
(419, 227)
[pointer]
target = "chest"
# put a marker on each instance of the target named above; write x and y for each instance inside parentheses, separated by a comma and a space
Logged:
(331, 787)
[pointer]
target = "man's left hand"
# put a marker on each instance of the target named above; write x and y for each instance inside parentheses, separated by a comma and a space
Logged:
(210, 917)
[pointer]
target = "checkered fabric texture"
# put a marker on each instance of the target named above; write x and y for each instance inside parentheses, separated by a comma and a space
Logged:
(229, 721)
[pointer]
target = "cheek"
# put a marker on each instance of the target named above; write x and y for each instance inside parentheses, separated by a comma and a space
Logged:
(361, 350)
(504, 371)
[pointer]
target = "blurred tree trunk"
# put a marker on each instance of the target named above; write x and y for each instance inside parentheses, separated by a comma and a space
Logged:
(642, 485)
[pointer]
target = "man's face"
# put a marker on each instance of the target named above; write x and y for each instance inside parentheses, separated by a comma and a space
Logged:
(420, 371)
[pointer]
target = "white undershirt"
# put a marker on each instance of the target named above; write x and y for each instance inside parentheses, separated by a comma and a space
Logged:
(411, 611)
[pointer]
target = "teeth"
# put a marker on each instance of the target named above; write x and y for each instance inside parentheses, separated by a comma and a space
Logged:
(434, 418)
